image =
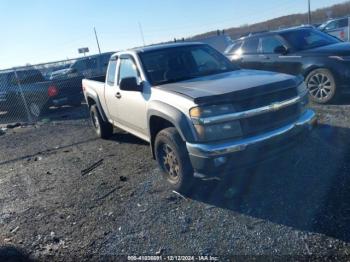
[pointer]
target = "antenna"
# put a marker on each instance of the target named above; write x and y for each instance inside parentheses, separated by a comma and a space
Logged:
(98, 44)
(141, 32)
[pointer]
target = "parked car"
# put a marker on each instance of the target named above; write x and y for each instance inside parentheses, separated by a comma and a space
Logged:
(27, 87)
(321, 59)
(201, 114)
(92, 67)
(337, 27)
(87, 67)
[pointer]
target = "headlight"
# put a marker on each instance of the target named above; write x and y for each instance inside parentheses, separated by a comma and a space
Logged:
(205, 111)
(211, 132)
(219, 131)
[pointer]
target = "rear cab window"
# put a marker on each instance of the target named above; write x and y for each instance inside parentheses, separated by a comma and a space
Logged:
(111, 73)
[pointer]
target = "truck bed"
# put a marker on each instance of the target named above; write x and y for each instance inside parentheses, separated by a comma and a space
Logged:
(94, 87)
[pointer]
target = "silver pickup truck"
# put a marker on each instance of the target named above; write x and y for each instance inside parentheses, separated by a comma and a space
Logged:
(202, 115)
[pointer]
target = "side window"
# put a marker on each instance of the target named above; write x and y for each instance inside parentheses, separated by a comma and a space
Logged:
(105, 59)
(269, 43)
(80, 65)
(91, 63)
(331, 26)
(127, 69)
(343, 22)
(250, 46)
(111, 72)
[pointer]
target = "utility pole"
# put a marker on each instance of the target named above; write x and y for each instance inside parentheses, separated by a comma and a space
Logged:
(141, 32)
(98, 44)
(309, 13)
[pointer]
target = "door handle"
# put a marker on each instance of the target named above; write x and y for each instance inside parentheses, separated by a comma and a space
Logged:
(118, 95)
(265, 57)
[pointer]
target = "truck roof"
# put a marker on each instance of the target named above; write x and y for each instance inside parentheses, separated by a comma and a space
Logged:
(272, 32)
(158, 47)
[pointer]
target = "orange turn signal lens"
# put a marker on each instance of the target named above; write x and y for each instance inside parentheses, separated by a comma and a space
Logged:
(195, 112)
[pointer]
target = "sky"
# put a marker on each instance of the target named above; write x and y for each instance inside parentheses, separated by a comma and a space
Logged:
(36, 31)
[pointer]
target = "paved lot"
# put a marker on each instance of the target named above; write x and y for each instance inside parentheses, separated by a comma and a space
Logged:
(298, 204)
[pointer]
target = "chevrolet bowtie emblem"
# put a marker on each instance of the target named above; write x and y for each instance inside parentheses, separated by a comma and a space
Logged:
(275, 106)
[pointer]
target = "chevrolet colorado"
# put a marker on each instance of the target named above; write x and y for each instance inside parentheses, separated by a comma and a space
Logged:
(201, 114)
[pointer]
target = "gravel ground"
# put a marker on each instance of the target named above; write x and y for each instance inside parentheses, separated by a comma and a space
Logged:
(298, 204)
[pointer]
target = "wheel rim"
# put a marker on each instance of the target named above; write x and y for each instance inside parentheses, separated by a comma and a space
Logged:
(95, 121)
(34, 109)
(169, 162)
(320, 86)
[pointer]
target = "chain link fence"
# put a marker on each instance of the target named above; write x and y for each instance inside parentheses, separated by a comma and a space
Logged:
(28, 93)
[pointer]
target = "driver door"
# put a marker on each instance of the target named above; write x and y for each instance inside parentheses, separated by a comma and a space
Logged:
(272, 61)
(131, 105)
(111, 89)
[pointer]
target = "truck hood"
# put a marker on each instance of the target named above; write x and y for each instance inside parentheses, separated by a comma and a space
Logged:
(235, 85)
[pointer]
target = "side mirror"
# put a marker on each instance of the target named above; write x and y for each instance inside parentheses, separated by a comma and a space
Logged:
(130, 84)
(280, 50)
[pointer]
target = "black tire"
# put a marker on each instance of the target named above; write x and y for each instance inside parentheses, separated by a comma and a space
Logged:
(37, 109)
(173, 159)
(322, 86)
(103, 129)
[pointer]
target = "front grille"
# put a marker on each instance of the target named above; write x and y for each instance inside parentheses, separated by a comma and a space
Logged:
(271, 120)
(267, 99)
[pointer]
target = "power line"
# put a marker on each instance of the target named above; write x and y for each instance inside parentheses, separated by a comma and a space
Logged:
(309, 13)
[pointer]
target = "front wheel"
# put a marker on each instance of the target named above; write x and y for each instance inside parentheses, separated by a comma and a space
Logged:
(172, 157)
(321, 85)
(103, 129)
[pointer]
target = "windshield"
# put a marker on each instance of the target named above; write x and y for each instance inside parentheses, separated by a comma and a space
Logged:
(182, 63)
(307, 39)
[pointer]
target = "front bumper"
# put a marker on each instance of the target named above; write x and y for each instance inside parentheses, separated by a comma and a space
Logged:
(215, 158)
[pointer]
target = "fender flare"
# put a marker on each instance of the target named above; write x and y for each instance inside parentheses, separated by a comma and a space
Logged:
(95, 98)
(177, 118)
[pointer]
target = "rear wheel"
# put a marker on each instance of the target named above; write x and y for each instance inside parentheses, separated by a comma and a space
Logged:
(172, 157)
(35, 109)
(103, 129)
(321, 85)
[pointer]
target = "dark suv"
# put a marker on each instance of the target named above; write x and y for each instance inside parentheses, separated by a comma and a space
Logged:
(87, 67)
(323, 60)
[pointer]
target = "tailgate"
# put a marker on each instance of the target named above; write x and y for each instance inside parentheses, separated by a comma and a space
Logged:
(68, 87)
